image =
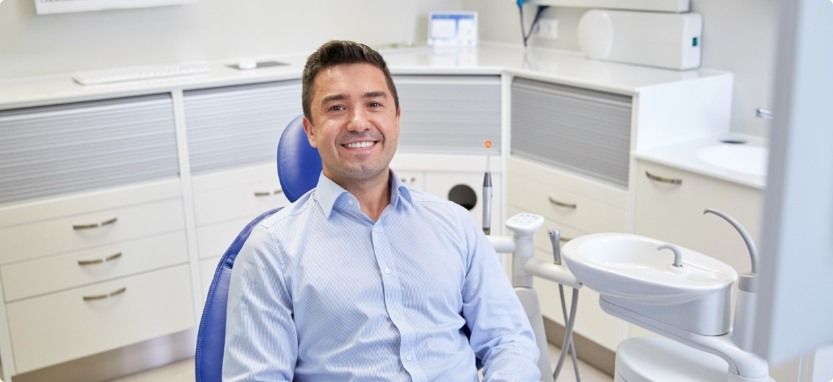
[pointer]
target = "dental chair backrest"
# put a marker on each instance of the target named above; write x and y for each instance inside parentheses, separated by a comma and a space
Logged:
(299, 167)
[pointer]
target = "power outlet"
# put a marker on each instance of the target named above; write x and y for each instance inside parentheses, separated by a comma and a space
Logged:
(547, 29)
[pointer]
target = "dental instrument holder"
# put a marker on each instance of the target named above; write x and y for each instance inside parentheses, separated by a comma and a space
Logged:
(524, 265)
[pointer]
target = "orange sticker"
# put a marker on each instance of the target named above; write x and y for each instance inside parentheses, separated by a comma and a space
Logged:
(487, 143)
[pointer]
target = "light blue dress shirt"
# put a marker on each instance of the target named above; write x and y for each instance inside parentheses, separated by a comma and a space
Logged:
(320, 292)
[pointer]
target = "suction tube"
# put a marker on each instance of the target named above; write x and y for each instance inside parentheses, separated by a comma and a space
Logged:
(568, 345)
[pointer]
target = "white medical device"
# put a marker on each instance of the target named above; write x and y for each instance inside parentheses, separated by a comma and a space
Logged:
(665, 40)
(452, 28)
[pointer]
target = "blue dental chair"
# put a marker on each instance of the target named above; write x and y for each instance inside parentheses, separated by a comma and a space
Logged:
(299, 167)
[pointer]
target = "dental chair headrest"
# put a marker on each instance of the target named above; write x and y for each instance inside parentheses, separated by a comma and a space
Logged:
(299, 164)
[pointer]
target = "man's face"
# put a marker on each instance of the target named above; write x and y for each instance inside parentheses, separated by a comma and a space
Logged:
(355, 123)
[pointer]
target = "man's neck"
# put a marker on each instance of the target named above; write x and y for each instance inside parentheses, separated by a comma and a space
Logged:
(373, 194)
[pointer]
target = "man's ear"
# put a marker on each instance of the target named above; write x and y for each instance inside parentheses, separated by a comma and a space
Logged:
(310, 130)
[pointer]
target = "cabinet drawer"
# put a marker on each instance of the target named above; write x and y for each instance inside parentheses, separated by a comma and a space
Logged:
(63, 326)
(563, 206)
(674, 213)
(235, 194)
(54, 273)
(86, 230)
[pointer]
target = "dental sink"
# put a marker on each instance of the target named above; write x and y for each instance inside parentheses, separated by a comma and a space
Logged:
(641, 284)
(741, 158)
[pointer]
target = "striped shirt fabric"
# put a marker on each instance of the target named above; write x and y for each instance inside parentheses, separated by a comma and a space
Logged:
(320, 292)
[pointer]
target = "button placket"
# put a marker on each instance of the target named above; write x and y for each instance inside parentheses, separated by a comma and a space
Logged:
(393, 299)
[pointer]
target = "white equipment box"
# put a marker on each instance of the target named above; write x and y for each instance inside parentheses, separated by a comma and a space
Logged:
(665, 40)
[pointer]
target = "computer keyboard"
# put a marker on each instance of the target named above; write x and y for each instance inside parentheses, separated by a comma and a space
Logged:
(134, 73)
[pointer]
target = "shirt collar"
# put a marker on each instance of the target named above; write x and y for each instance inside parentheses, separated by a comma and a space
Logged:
(328, 193)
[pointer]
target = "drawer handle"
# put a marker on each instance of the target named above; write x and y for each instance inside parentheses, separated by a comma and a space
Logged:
(79, 227)
(260, 194)
(571, 206)
(674, 181)
(99, 261)
(105, 295)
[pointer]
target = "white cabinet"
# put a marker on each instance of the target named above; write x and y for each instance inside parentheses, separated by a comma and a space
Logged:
(93, 272)
(82, 321)
(575, 206)
(674, 212)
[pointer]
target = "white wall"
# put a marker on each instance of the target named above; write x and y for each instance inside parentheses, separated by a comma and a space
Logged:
(738, 36)
(208, 29)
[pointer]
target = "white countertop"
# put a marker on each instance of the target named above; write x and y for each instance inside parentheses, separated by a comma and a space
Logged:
(685, 156)
(562, 67)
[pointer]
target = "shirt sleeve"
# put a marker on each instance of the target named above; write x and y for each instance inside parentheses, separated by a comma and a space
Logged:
(261, 340)
(501, 335)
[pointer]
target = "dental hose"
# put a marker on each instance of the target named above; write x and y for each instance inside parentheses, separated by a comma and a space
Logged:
(568, 345)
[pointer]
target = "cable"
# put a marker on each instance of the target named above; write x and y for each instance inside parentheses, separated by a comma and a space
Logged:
(538, 12)
(568, 345)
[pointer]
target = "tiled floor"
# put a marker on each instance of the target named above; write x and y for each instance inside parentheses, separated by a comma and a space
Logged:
(183, 371)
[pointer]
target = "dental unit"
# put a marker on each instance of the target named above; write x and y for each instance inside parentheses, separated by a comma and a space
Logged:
(686, 300)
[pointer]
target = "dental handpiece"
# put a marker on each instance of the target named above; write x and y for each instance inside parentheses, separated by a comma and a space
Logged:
(555, 240)
(487, 203)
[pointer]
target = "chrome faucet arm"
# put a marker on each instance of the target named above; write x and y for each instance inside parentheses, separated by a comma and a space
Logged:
(678, 257)
(750, 245)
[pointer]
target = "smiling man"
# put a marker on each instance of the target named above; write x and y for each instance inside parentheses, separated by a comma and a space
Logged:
(363, 278)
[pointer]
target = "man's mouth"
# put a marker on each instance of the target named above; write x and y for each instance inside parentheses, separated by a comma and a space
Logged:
(359, 144)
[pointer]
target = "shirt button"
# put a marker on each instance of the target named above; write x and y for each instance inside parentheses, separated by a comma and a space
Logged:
(387, 270)
(409, 358)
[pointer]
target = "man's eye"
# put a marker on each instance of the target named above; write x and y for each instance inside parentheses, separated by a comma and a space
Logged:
(336, 108)
(375, 104)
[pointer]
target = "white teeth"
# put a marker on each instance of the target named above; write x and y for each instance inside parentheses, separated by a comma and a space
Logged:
(359, 145)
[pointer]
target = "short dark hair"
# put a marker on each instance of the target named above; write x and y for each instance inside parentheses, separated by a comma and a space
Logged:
(338, 52)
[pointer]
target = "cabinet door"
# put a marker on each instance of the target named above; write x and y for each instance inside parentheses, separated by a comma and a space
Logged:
(59, 149)
(449, 114)
(674, 213)
(581, 130)
(238, 125)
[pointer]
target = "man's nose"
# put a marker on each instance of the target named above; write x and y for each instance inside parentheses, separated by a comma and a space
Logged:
(359, 120)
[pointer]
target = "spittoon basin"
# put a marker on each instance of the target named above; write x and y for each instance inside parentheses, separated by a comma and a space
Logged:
(630, 268)
(744, 159)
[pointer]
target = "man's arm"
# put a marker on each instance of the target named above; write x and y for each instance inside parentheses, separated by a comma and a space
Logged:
(261, 340)
(500, 332)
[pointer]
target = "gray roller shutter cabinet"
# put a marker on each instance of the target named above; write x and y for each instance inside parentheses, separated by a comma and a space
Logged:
(449, 114)
(580, 130)
(52, 150)
(238, 125)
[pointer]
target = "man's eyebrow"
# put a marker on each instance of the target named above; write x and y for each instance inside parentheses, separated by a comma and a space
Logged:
(334, 97)
(375, 94)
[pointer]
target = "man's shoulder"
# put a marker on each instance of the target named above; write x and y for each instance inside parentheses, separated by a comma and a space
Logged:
(286, 217)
